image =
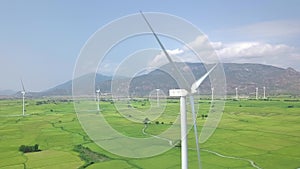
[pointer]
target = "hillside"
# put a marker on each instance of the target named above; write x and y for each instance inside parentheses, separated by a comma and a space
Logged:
(246, 77)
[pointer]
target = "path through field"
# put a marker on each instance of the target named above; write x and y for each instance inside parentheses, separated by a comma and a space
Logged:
(145, 133)
(209, 151)
(236, 158)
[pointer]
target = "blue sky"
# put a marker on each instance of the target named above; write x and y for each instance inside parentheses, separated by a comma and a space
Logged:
(40, 40)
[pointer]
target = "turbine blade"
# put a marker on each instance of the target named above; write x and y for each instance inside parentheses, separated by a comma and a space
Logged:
(195, 129)
(181, 78)
(196, 84)
(156, 37)
(22, 85)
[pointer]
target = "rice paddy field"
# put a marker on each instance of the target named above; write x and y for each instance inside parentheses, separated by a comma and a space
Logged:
(252, 134)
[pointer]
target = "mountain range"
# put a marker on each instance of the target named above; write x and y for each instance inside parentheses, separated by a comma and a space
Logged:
(246, 77)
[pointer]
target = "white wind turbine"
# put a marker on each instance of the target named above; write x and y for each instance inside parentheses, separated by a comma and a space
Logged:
(23, 97)
(236, 94)
(182, 93)
(256, 93)
(98, 99)
(264, 92)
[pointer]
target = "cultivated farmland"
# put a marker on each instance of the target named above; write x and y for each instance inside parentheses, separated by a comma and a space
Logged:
(252, 134)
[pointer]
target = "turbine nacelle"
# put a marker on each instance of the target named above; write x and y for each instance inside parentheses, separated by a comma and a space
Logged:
(178, 92)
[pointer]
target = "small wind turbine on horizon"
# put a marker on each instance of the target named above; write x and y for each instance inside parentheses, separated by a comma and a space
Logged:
(23, 98)
(183, 93)
(98, 99)
(256, 93)
(236, 94)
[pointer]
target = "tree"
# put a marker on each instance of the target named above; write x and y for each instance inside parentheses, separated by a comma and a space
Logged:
(22, 148)
(36, 147)
(27, 149)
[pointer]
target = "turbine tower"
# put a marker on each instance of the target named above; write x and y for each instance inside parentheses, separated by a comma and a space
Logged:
(23, 97)
(264, 92)
(183, 93)
(256, 93)
(236, 94)
(157, 97)
(98, 99)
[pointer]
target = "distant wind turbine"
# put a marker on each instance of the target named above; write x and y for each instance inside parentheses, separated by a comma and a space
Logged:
(236, 94)
(182, 93)
(23, 97)
(264, 92)
(256, 93)
(98, 99)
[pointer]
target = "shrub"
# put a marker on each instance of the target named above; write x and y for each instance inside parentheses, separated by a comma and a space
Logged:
(202, 116)
(27, 149)
(89, 156)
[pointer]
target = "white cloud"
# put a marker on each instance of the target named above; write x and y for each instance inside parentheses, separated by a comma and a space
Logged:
(266, 42)
(253, 49)
(161, 58)
(249, 51)
(280, 55)
(175, 52)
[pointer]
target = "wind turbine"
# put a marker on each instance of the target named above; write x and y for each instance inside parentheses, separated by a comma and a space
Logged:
(157, 97)
(183, 93)
(256, 93)
(236, 94)
(98, 99)
(264, 92)
(23, 97)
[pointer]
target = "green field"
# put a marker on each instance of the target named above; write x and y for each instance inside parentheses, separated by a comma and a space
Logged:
(266, 133)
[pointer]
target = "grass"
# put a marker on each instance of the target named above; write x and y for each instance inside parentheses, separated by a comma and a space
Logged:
(52, 159)
(267, 132)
